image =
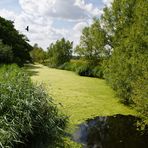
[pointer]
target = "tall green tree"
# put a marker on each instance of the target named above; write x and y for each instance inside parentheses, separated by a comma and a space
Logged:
(18, 42)
(116, 19)
(60, 52)
(92, 42)
(126, 24)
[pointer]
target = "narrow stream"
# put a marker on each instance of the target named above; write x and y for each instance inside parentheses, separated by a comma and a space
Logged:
(117, 131)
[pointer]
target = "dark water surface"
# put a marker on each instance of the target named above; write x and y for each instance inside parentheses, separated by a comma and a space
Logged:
(117, 131)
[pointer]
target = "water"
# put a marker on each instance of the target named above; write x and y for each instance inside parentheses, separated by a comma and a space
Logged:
(117, 131)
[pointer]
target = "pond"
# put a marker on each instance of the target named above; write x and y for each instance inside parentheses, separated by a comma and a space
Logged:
(117, 131)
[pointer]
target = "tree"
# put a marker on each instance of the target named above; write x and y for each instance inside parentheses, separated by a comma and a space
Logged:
(6, 54)
(116, 19)
(60, 52)
(38, 54)
(126, 24)
(18, 42)
(92, 42)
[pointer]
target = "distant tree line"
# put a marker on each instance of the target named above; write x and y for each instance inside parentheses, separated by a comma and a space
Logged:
(57, 53)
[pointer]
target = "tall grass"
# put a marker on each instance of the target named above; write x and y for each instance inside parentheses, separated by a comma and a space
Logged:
(27, 113)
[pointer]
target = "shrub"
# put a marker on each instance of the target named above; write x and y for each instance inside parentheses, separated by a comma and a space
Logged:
(72, 65)
(97, 72)
(81, 67)
(84, 70)
(27, 113)
(65, 66)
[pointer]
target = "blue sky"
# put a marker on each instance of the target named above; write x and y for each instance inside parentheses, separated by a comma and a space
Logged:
(12, 5)
(50, 20)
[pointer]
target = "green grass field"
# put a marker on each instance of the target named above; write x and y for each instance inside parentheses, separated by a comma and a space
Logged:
(81, 97)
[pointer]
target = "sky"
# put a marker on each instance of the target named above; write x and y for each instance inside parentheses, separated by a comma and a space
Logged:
(50, 20)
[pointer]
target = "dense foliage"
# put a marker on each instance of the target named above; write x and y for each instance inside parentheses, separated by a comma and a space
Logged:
(38, 54)
(92, 42)
(6, 54)
(60, 52)
(27, 113)
(18, 42)
(126, 24)
(83, 68)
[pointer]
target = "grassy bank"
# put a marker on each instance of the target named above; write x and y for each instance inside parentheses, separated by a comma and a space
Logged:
(79, 97)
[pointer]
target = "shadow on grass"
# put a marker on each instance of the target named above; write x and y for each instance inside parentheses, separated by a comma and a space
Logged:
(31, 69)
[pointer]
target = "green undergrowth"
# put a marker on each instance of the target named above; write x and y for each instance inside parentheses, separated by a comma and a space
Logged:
(27, 113)
(83, 68)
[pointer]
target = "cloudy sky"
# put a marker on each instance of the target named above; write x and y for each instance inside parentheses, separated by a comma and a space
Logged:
(49, 20)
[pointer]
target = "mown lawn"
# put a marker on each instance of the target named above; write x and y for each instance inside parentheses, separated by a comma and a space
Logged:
(78, 97)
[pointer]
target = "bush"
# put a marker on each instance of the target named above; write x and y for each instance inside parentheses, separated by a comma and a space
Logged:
(65, 66)
(27, 113)
(83, 68)
(97, 72)
(72, 65)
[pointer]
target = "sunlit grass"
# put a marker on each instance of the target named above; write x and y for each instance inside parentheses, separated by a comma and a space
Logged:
(79, 97)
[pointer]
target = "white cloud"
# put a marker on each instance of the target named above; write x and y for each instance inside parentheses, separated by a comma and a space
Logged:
(107, 2)
(79, 26)
(53, 8)
(8, 14)
(88, 7)
(39, 15)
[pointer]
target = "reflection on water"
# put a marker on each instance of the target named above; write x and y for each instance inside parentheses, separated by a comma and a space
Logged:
(111, 132)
